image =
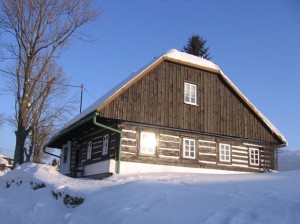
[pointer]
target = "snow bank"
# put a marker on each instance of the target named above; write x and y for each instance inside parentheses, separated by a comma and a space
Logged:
(151, 198)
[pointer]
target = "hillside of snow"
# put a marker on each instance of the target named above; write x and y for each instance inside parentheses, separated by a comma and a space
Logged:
(39, 194)
(289, 160)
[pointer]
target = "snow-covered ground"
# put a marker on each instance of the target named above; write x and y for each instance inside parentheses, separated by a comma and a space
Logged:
(149, 198)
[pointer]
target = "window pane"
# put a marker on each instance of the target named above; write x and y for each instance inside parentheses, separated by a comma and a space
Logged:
(148, 142)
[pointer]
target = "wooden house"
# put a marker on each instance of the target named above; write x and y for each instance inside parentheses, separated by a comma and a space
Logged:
(179, 113)
(5, 162)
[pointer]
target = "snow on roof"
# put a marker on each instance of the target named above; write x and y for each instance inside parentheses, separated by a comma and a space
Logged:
(175, 56)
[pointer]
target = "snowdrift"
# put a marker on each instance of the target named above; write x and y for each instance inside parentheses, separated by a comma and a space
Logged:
(36, 194)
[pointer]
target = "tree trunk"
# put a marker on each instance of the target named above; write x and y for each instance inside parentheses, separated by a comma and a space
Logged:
(28, 153)
(21, 135)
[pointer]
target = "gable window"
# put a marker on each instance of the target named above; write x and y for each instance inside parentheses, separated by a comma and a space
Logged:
(105, 144)
(254, 156)
(224, 153)
(190, 93)
(147, 143)
(189, 148)
(89, 150)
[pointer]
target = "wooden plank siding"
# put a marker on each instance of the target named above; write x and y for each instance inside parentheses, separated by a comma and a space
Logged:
(169, 150)
(157, 99)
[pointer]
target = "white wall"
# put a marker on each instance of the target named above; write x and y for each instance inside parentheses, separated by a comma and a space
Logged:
(130, 167)
(107, 166)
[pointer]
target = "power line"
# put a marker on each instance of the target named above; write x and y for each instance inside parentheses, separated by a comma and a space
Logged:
(58, 84)
(32, 79)
(89, 93)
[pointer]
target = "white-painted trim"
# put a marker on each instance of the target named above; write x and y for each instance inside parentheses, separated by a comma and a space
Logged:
(239, 165)
(130, 131)
(239, 147)
(246, 157)
(248, 144)
(210, 147)
(230, 153)
(189, 151)
(168, 149)
(129, 146)
(171, 136)
(208, 162)
(238, 151)
(169, 157)
(96, 152)
(168, 141)
(94, 143)
(207, 154)
(132, 153)
(129, 139)
(207, 141)
(239, 161)
(96, 147)
(258, 153)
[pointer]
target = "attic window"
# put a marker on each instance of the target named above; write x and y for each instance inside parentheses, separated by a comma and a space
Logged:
(190, 93)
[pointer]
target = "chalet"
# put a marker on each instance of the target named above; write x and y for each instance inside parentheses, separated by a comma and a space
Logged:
(179, 113)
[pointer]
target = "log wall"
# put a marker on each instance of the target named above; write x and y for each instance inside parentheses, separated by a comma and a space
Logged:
(169, 150)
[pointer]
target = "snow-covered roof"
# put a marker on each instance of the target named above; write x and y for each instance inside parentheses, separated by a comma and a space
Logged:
(174, 56)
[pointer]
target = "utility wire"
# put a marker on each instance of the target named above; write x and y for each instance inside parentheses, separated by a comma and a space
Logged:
(58, 84)
(32, 79)
(89, 93)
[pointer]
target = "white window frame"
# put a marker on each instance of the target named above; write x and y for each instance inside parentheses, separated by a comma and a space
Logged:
(223, 148)
(189, 148)
(89, 150)
(147, 146)
(252, 153)
(188, 93)
(65, 153)
(105, 142)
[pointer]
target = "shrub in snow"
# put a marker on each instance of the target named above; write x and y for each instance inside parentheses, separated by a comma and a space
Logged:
(69, 201)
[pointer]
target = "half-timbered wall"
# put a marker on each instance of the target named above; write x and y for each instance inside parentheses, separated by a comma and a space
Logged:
(158, 99)
(169, 150)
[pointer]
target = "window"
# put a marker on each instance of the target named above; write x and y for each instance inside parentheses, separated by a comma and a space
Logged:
(254, 156)
(105, 144)
(190, 93)
(89, 150)
(224, 153)
(189, 148)
(148, 143)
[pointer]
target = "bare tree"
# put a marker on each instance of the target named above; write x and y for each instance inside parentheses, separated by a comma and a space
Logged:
(41, 30)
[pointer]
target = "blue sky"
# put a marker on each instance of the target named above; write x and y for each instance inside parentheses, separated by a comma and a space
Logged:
(255, 43)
